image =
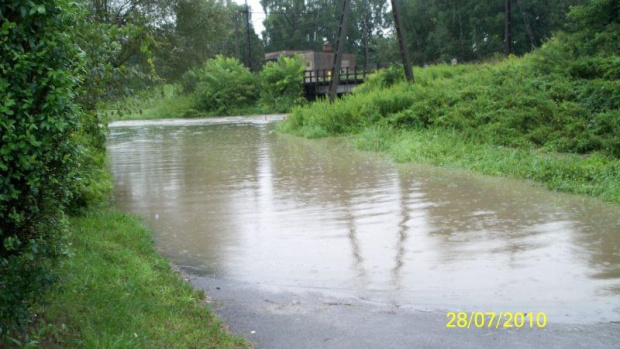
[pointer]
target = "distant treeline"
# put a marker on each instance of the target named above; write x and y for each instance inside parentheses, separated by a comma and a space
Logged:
(159, 40)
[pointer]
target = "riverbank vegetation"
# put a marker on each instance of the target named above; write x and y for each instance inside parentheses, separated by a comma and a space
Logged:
(116, 291)
(71, 273)
(186, 78)
(221, 86)
(552, 116)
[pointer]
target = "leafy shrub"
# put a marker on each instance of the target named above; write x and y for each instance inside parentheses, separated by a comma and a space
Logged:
(38, 155)
(225, 86)
(282, 84)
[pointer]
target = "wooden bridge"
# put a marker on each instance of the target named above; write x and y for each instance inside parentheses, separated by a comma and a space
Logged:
(316, 82)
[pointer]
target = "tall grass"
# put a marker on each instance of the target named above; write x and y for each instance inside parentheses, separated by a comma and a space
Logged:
(159, 102)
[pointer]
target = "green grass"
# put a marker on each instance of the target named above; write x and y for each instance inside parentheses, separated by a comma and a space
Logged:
(592, 175)
(116, 291)
(161, 102)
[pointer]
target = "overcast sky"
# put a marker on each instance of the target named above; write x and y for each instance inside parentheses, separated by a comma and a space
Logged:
(258, 16)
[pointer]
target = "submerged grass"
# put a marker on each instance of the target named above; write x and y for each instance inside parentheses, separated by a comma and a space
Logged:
(116, 291)
(167, 102)
(592, 175)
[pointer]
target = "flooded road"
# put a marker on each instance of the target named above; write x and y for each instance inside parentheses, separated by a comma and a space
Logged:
(232, 200)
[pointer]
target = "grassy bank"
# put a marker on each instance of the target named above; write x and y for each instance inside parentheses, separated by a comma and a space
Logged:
(501, 119)
(552, 116)
(116, 291)
(592, 175)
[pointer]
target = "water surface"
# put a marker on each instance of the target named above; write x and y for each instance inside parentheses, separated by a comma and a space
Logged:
(233, 199)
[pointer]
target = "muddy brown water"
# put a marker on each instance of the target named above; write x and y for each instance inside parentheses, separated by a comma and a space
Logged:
(231, 198)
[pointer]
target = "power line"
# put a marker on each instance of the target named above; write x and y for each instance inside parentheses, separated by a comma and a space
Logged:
(285, 13)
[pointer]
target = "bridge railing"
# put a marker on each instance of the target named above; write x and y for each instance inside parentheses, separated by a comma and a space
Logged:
(348, 76)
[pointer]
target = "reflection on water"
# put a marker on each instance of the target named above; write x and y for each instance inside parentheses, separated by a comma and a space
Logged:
(239, 201)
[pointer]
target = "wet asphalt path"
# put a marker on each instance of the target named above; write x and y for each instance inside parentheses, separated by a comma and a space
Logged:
(286, 319)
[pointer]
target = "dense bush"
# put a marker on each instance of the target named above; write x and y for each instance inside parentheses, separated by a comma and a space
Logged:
(224, 85)
(282, 84)
(38, 155)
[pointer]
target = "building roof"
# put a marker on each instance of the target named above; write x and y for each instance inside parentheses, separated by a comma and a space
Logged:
(288, 53)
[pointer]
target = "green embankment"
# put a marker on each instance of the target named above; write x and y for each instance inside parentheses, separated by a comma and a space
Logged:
(552, 116)
(116, 291)
(496, 119)
(593, 175)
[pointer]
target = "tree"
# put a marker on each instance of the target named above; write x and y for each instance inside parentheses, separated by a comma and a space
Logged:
(200, 32)
(307, 25)
(119, 37)
(473, 30)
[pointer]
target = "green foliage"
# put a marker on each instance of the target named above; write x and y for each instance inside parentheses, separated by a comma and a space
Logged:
(156, 102)
(38, 155)
(93, 182)
(594, 28)
(383, 78)
(322, 118)
(188, 83)
(225, 86)
(116, 43)
(508, 104)
(117, 291)
(308, 25)
(590, 48)
(282, 84)
(473, 30)
(563, 98)
(198, 33)
(593, 175)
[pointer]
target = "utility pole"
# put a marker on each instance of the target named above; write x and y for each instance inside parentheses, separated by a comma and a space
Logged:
(237, 35)
(342, 34)
(365, 8)
(507, 31)
(400, 33)
(248, 57)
